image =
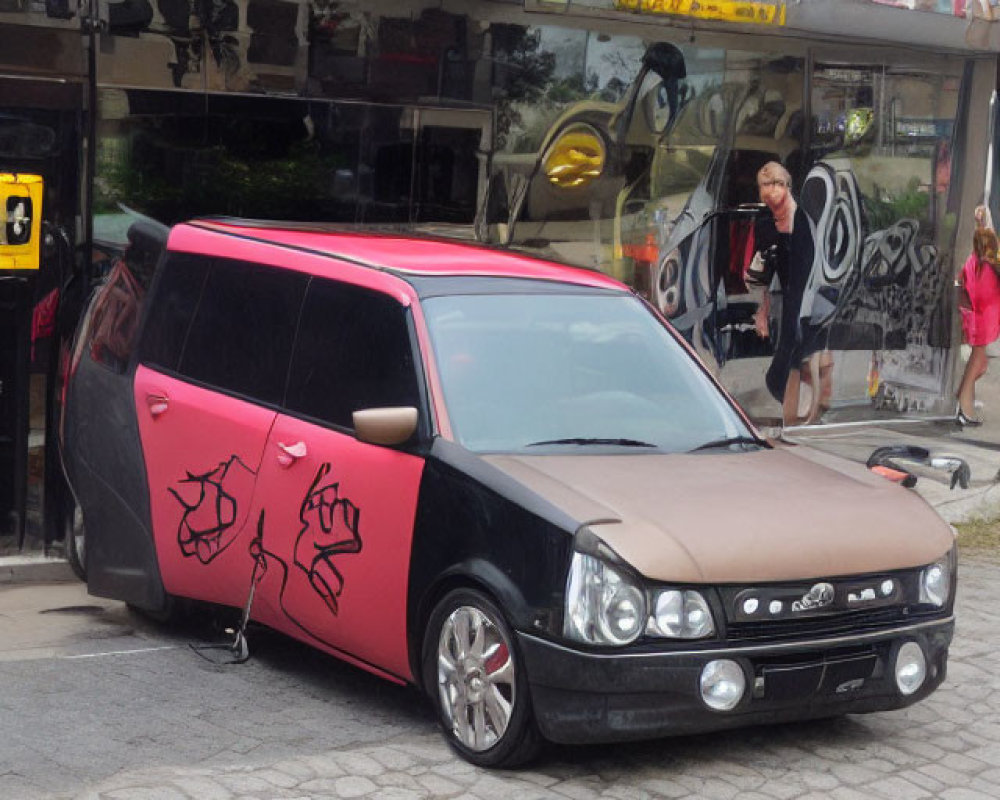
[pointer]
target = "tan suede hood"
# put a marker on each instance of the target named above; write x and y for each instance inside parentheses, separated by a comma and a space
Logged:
(791, 513)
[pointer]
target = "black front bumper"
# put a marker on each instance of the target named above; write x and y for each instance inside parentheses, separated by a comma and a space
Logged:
(581, 696)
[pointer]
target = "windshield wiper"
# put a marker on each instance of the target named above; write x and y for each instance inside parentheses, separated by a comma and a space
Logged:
(585, 440)
(727, 441)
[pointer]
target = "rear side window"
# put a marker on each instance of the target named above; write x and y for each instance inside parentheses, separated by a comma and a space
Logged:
(170, 312)
(114, 318)
(353, 351)
(117, 306)
(241, 336)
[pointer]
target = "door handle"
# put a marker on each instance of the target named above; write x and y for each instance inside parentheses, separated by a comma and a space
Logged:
(290, 453)
(157, 404)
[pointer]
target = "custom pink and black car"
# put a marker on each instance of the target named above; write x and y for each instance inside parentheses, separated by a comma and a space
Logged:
(506, 481)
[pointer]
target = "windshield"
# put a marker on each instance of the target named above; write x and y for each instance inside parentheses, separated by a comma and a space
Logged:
(537, 372)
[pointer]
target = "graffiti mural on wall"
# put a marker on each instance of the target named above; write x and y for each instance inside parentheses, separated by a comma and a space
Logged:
(880, 290)
(899, 283)
(901, 297)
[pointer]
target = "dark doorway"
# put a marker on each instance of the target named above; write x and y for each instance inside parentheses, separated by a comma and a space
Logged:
(40, 134)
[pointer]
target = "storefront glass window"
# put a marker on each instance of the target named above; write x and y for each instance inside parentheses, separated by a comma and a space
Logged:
(651, 181)
(172, 156)
(885, 135)
(630, 154)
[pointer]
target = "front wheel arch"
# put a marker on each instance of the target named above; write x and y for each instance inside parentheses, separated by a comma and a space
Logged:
(475, 573)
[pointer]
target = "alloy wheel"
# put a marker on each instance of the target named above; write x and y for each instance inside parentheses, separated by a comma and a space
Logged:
(476, 678)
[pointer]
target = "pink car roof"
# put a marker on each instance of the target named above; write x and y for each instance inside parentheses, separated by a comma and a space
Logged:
(401, 254)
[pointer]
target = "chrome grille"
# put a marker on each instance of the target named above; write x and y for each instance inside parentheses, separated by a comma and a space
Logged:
(825, 607)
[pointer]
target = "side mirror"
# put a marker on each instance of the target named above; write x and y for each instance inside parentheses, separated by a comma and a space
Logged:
(385, 426)
(575, 158)
(20, 220)
(666, 61)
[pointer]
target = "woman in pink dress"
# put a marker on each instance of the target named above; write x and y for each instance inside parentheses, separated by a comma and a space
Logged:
(980, 318)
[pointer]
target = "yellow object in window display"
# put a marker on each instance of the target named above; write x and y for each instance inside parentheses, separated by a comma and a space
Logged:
(575, 159)
(20, 220)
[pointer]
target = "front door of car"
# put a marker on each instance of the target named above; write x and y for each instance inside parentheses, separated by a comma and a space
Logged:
(333, 515)
(214, 357)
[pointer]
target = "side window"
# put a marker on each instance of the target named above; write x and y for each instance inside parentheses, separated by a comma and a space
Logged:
(353, 351)
(114, 318)
(241, 336)
(175, 298)
(114, 314)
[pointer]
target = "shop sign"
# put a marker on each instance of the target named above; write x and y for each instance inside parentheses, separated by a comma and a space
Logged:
(759, 12)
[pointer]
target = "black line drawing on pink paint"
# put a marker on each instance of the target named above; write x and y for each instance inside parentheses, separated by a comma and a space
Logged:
(330, 527)
(211, 502)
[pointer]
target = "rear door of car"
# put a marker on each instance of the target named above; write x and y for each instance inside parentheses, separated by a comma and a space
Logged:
(100, 442)
(213, 362)
(335, 515)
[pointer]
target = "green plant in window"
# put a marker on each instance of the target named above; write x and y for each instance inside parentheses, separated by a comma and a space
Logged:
(522, 73)
(885, 209)
(296, 184)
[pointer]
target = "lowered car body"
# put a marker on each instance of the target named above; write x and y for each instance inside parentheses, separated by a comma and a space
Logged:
(506, 481)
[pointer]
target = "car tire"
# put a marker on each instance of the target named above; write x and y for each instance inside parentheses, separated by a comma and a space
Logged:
(74, 542)
(475, 677)
(165, 615)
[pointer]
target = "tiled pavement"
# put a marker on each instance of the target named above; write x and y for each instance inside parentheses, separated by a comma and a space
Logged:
(159, 723)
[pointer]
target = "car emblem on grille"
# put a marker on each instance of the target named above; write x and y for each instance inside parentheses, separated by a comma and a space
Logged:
(820, 595)
(862, 596)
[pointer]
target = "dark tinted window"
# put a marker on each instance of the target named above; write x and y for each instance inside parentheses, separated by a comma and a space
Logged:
(170, 313)
(114, 318)
(241, 336)
(115, 309)
(353, 351)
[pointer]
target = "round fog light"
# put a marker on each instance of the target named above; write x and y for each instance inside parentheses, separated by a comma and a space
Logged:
(722, 684)
(911, 668)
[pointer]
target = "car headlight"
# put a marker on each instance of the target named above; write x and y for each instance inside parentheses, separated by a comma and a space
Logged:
(935, 580)
(680, 615)
(603, 606)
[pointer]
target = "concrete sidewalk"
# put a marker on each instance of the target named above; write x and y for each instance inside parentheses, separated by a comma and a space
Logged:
(978, 446)
(34, 568)
(981, 452)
